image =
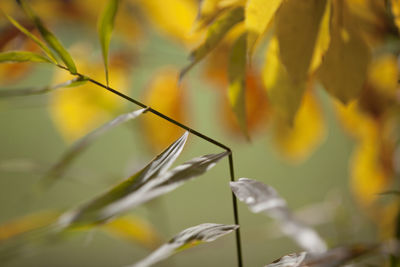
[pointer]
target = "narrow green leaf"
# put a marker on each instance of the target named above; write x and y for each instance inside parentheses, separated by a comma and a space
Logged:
(105, 28)
(215, 34)
(88, 212)
(37, 91)
(57, 171)
(237, 81)
(22, 56)
(49, 37)
(189, 237)
(42, 45)
(263, 198)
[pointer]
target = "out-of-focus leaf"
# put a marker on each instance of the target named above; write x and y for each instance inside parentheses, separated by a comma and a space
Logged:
(90, 212)
(33, 38)
(237, 81)
(258, 15)
(368, 175)
(77, 111)
(333, 258)
(49, 37)
(208, 11)
(343, 70)
(189, 237)
(18, 236)
(216, 32)
(323, 39)
(22, 56)
(25, 224)
(164, 183)
(283, 93)
(297, 28)
(36, 91)
(105, 28)
(173, 17)
(57, 171)
(257, 110)
(383, 75)
(158, 132)
(262, 198)
(297, 142)
(395, 7)
(136, 229)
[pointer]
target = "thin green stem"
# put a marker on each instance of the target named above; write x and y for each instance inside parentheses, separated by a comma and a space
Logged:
(194, 132)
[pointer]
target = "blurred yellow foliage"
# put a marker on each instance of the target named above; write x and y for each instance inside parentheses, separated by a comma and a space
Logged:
(164, 95)
(78, 110)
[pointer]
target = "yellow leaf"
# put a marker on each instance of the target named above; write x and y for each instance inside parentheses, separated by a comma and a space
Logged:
(323, 39)
(215, 33)
(26, 223)
(256, 107)
(368, 175)
(174, 17)
(298, 142)
(383, 75)
(297, 26)
(134, 229)
(284, 94)
(258, 14)
(343, 70)
(395, 5)
(164, 95)
(237, 79)
(76, 111)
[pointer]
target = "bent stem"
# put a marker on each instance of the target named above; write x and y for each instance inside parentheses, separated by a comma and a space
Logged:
(194, 132)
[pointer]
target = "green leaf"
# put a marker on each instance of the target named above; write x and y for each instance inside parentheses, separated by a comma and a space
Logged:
(263, 198)
(215, 34)
(88, 212)
(79, 146)
(105, 28)
(189, 237)
(237, 81)
(49, 37)
(42, 45)
(22, 56)
(37, 91)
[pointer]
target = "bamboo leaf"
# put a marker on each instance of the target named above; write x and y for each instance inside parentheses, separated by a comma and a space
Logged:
(344, 68)
(49, 37)
(79, 146)
(42, 45)
(163, 183)
(215, 34)
(105, 28)
(258, 15)
(89, 212)
(298, 22)
(189, 237)
(22, 56)
(37, 91)
(284, 93)
(237, 81)
(333, 258)
(263, 198)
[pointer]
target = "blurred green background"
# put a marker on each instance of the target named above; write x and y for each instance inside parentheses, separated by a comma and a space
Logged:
(29, 144)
